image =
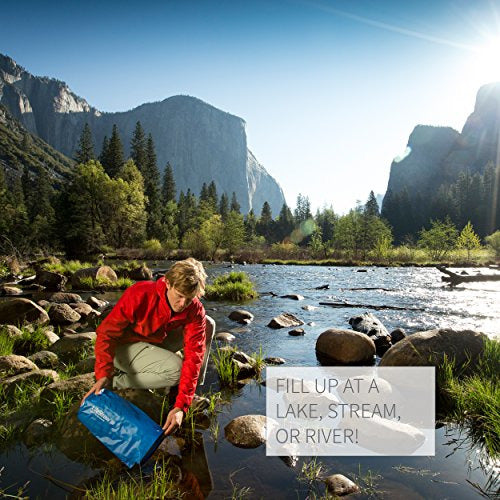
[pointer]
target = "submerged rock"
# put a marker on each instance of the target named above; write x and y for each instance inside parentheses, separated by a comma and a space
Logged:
(38, 431)
(310, 308)
(293, 296)
(21, 310)
(344, 346)
(297, 332)
(224, 337)
(241, 316)
(340, 485)
(285, 320)
(247, 431)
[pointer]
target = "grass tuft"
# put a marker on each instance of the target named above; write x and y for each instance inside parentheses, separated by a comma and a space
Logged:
(233, 286)
(89, 283)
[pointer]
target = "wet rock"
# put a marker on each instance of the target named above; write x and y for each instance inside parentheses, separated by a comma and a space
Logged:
(290, 460)
(199, 403)
(429, 348)
(14, 364)
(20, 310)
(397, 335)
(344, 346)
(51, 336)
(224, 337)
(51, 281)
(44, 303)
(285, 320)
(96, 303)
(38, 432)
(102, 272)
(274, 360)
(142, 273)
(10, 331)
(322, 287)
(61, 314)
(85, 311)
(10, 290)
(45, 359)
(68, 331)
(58, 297)
(86, 365)
(36, 376)
(241, 316)
(71, 347)
(243, 357)
(293, 296)
(339, 485)
(247, 431)
(297, 332)
(311, 323)
(244, 370)
(369, 324)
(75, 386)
(310, 308)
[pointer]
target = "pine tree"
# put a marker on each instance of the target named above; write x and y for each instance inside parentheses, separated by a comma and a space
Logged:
(285, 223)
(43, 216)
(224, 206)
(212, 196)
(85, 151)
(103, 157)
(138, 147)
(303, 209)
(371, 206)
(204, 192)
(468, 239)
(265, 224)
(115, 158)
(250, 226)
(151, 176)
(168, 188)
(235, 206)
(28, 193)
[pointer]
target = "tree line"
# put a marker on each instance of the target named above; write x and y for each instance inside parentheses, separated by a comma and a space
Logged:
(112, 202)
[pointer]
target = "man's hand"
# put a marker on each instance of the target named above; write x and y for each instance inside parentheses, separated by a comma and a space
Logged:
(174, 420)
(101, 383)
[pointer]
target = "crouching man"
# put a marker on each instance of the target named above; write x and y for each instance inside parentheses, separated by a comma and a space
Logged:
(137, 338)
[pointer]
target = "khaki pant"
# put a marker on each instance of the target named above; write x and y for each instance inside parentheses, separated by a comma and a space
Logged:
(154, 366)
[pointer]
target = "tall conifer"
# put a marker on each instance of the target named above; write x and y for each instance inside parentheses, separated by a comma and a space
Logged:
(85, 151)
(138, 147)
(151, 176)
(115, 158)
(235, 206)
(168, 187)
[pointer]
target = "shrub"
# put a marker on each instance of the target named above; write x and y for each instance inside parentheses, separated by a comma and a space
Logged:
(233, 286)
(493, 242)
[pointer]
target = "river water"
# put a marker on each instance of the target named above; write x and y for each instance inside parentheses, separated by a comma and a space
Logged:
(428, 303)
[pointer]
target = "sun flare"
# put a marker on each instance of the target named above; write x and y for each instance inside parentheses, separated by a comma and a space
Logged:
(485, 63)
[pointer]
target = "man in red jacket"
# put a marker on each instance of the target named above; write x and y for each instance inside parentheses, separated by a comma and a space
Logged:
(134, 337)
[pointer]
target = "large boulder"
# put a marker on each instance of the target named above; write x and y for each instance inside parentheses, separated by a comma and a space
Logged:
(344, 347)
(51, 281)
(85, 311)
(63, 314)
(247, 431)
(142, 273)
(14, 364)
(429, 348)
(99, 272)
(19, 310)
(70, 348)
(285, 320)
(339, 485)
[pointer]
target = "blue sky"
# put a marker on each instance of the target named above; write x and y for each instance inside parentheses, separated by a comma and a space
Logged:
(330, 90)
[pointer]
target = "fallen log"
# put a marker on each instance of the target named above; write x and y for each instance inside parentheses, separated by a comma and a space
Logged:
(368, 306)
(455, 279)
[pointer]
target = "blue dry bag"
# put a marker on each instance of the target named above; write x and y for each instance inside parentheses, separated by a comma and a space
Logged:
(120, 426)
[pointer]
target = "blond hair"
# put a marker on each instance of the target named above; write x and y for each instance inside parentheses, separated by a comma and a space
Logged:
(188, 277)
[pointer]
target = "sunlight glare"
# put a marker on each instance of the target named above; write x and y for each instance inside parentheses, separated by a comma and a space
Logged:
(485, 64)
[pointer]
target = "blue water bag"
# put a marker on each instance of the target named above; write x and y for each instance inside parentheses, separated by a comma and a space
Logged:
(120, 426)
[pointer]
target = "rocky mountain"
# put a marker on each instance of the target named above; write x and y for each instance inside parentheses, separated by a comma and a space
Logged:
(436, 155)
(19, 148)
(201, 142)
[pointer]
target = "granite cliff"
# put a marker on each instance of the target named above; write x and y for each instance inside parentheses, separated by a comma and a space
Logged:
(437, 155)
(201, 142)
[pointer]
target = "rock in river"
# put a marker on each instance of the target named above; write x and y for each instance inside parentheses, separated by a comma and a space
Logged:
(285, 320)
(247, 431)
(340, 485)
(344, 346)
(241, 316)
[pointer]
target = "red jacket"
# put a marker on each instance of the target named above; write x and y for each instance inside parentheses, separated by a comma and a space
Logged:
(143, 308)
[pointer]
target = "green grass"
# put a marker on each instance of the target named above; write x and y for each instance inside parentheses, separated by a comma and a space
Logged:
(233, 286)
(258, 358)
(6, 343)
(61, 404)
(128, 265)
(159, 484)
(67, 268)
(472, 400)
(89, 283)
(30, 342)
(226, 369)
